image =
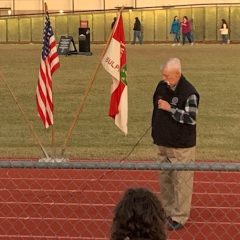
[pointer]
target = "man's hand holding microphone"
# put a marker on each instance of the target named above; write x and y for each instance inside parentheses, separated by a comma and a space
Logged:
(164, 105)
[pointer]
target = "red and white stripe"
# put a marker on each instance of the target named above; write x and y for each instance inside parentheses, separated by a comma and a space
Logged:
(44, 87)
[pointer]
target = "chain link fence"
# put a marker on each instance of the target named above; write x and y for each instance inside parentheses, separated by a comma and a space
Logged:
(75, 200)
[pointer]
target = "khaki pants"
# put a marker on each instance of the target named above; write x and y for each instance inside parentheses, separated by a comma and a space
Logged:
(176, 186)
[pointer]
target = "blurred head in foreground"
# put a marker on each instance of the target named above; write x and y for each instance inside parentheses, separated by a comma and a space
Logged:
(138, 216)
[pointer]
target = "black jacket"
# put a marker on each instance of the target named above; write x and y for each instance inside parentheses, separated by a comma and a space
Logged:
(165, 130)
(137, 25)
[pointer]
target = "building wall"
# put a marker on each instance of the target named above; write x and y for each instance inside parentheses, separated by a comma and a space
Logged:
(155, 22)
(34, 6)
(28, 5)
(147, 3)
(5, 4)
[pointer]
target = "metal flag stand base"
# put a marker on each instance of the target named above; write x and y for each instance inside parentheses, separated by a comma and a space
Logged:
(85, 53)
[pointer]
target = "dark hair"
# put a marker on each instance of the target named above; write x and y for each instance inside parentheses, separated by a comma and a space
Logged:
(224, 22)
(139, 215)
(174, 19)
(137, 19)
(186, 17)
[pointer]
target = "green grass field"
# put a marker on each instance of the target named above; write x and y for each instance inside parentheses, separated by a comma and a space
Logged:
(213, 69)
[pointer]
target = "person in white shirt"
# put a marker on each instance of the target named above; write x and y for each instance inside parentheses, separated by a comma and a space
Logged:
(224, 31)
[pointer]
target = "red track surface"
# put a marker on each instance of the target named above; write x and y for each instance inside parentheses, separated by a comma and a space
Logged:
(78, 204)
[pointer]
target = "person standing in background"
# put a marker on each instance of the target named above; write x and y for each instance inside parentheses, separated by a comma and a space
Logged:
(224, 31)
(186, 30)
(137, 34)
(175, 30)
(175, 106)
(113, 23)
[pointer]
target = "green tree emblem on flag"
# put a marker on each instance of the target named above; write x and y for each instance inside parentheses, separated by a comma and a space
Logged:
(123, 74)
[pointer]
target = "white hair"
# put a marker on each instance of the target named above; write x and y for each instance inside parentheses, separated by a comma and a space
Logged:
(172, 64)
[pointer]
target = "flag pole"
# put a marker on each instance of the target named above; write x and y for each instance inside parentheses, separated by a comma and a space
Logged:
(87, 90)
(53, 143)
(24, 115)
(52, 127)
(45, 7)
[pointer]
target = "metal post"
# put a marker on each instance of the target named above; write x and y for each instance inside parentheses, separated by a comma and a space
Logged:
(43, 6)
(13, 7)
(104, 8)
(73, 7)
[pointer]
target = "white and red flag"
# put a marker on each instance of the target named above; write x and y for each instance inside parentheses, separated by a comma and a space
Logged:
(114, 62)
(48, 65)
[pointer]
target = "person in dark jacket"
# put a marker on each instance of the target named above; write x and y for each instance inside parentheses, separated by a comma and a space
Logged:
(139, 215)
(137, 34)
(113, 23)
(175, 107)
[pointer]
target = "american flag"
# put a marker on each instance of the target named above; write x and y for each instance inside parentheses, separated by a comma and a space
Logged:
(49, 64)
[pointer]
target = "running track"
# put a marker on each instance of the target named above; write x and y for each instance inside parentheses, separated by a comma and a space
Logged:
(78, 204)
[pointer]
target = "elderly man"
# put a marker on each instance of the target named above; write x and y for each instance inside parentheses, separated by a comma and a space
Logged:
(174, 132)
